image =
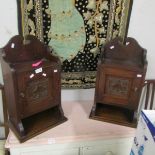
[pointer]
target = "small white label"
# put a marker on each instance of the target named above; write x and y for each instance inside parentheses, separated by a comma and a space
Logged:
(127, 43)
(12, 45)
(51, 141)
(44, 74)
(31, 76)
(55, 71)
(39, 70)
(112, 47)
(139, 75)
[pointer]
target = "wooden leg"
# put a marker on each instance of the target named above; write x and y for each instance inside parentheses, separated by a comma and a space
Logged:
(62, 113)
(21, 128)
(17, 127)
(93, 110)
(130, 115)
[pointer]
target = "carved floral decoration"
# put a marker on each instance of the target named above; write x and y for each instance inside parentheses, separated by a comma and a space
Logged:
(94, 18)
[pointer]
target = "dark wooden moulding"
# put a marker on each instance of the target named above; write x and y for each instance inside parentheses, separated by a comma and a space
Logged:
(32, 84)
(120, 78)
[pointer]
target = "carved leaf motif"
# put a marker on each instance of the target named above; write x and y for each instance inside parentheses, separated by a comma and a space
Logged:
(37, 90)
(92, 39)
(30, 5)
(99, 18)
(117, 86)
(91, 5)
(32, 26)
(90, 23)
(95, 51)
(101, 30)
(102, 41)
(87, 15)
(104, 6)
(48, 11)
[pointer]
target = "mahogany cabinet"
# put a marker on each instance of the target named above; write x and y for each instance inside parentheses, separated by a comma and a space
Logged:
(32, 82)
(120, 77)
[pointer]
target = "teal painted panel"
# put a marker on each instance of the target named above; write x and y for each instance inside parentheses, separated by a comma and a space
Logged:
(67, 29)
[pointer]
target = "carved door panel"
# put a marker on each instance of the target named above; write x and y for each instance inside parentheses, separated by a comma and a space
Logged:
(37, 91)
(118, 86)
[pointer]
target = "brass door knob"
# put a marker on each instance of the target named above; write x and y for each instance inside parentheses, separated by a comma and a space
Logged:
(21, 94)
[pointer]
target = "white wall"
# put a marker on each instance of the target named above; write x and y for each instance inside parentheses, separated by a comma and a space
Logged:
(8, 28)
(8, 20)
(142, 27)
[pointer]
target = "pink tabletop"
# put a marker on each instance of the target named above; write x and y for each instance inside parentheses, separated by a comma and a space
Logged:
(78, 128)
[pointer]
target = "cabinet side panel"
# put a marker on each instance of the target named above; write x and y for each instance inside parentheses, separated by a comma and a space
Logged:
(10, 93)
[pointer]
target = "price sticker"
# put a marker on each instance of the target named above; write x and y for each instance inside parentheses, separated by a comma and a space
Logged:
(12, 45)
(39, 70)
(139, 75)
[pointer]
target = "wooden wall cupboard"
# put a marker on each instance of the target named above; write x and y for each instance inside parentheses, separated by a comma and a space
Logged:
(119, 82)
(32, 83)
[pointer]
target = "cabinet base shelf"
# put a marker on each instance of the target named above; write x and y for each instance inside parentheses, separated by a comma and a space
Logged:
(112, 114)
(39, 123)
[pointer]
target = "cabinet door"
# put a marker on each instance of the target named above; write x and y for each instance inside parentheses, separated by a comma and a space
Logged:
(38, 90)
(117, 86)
